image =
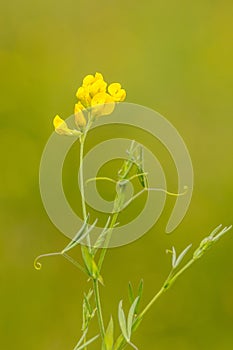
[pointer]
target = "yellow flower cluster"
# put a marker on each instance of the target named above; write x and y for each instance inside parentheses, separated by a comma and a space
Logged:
(96, 94)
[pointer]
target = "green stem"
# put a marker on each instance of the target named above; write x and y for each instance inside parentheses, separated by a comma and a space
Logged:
(95, 282)
(169, 281)
(148, 306)
(121, 342)
(172, 279)
(98, 306)
(82, 141)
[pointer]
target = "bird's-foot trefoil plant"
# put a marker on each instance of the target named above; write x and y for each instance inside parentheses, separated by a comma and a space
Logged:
(97, 99)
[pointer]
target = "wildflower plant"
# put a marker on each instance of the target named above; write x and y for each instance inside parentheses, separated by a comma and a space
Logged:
(95, 98)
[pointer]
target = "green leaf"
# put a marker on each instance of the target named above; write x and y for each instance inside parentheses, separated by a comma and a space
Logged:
(95, 270)
(117, 343)
(122, 321)
(213, 233)
(140, 168)
(81, 234)
(108, 337)
(81, 339)
(140, 288)
(181, 256)
(130, 293)
(130, 318)
(173, 257)
(87, 301)
(90, 264)
(140, 291)
(87, 258)
(102, 237)
(127, 165)
(86, 343)
(221, 233)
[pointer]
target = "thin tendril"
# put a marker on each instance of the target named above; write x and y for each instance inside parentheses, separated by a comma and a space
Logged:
(169, 193)
(137, 175)
(37, 264)
(100, 178)
(155, 189)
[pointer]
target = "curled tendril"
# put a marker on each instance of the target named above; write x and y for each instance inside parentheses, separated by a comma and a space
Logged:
(37, 264)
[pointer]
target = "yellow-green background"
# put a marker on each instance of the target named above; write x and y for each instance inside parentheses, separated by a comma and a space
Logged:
(172, 56)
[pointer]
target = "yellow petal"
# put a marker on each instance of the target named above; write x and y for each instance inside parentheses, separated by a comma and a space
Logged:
(98, 99)
(79, 118)
(79, 106)
(98, 86)
(114, 88)
(89, 79)
(61, 127)
(98, 76)
(103, 104)
(117, 92)
(83, 95)
(57, 121)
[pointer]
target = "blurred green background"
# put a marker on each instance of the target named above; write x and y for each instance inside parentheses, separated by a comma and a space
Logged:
(172, 56)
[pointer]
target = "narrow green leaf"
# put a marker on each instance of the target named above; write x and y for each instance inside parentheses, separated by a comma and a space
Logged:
(81, 339)
(130, 318)
(140, 168)
(122, 321)
(127, 165)
(221, 233)
(86, 343)
(173, 257)
(133, 346)
(181, 256)
(130, 293)
(87, 303)
(117, 344)
(109, 336)
(213, 233)
(87, 258)
(90, 264)
(102, 237)
(95, 270)
(140, 291)
(81, 234)
(140, 288)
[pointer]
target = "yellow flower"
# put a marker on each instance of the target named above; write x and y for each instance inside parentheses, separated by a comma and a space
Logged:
(102, 104)
(61, 127)
(98, 86)
(93, 93)
(117, 92)
(88, 80)
(84, 96)
(79, 118)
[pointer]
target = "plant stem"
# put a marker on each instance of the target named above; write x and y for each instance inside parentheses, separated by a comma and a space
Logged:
(167, 284)
(172, 279)
(169, 281)
(82, 141)
(148, 306)
(95, 281)
(98, 306)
